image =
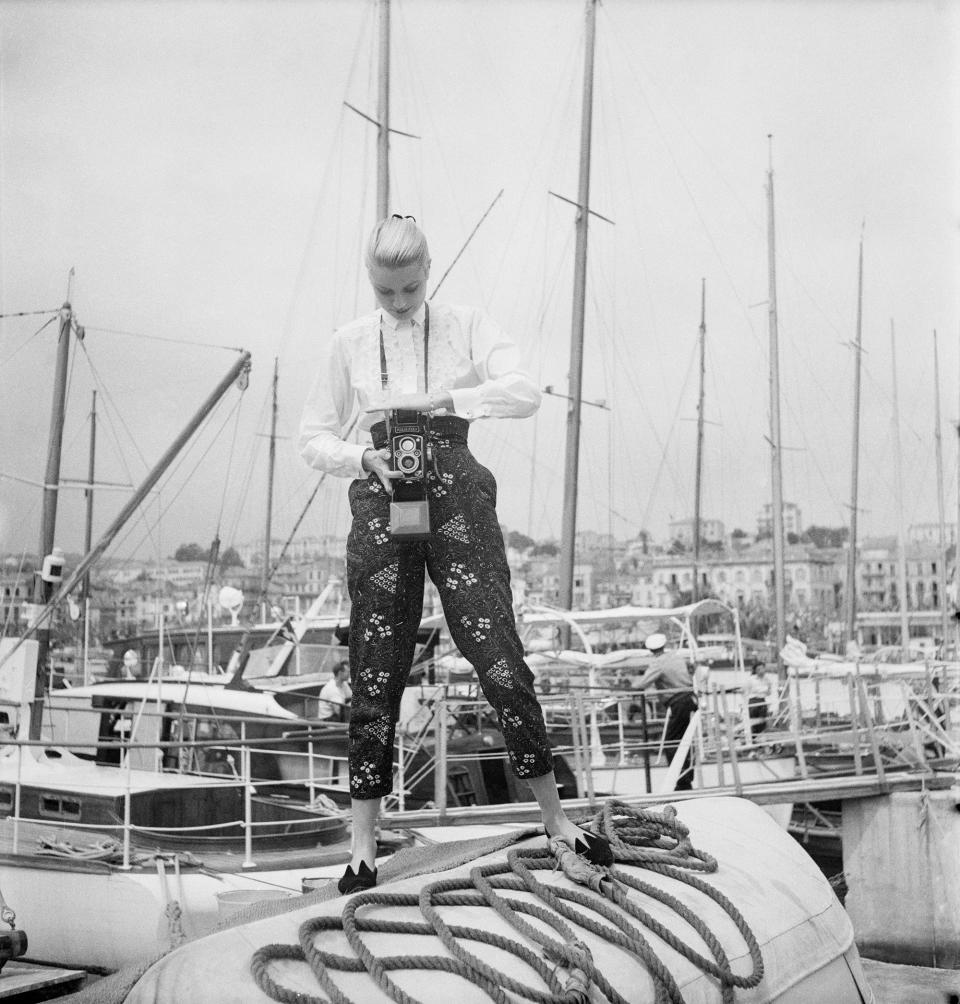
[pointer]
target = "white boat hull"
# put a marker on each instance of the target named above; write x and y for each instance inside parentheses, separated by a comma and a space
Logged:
(108, 919)
(805, 938)
(101, 917)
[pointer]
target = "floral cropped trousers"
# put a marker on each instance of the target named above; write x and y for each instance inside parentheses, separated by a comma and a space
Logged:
(465, 559)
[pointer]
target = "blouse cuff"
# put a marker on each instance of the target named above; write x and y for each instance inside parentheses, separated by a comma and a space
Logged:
(355, 452)
(468, 402)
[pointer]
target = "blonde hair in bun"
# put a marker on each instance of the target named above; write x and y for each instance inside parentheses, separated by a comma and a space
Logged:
(397, 242)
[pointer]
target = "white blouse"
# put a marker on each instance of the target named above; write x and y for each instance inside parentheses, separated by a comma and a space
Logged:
(469, 355)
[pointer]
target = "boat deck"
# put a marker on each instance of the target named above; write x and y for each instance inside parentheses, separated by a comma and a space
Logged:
(892, 984)
(86, 858)
(26, 981)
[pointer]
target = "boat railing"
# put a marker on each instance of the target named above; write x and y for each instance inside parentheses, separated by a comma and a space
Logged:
(880, 724)
(132, 781)
(850, 722)
(599, 735)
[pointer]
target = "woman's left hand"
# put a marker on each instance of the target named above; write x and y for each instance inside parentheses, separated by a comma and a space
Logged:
(413, 402)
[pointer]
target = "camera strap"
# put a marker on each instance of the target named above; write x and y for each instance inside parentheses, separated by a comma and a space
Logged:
(384, 378)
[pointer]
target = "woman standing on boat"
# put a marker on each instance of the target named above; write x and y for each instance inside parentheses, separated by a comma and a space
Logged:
(446, 367)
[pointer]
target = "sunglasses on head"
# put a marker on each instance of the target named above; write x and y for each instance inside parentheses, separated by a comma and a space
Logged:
(397, 216)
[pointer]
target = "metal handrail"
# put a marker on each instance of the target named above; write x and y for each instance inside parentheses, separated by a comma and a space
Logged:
(126, 827)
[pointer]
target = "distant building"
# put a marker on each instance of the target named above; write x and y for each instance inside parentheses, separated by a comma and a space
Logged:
(929, 533)
(16, 592)
(878, 575)
(812, 578)
(711, 530)
(544, 583)
(792, 519)
(121, 575)
(298, 550)
(183, 574)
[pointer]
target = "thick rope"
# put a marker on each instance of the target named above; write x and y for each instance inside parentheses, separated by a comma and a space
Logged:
(560, 960)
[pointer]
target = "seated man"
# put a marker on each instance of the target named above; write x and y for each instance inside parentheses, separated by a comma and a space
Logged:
(335, 694)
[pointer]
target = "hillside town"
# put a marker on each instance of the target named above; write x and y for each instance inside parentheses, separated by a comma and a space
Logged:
(736, 567)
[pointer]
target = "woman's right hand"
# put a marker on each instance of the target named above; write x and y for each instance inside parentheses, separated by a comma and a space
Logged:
(378, 462)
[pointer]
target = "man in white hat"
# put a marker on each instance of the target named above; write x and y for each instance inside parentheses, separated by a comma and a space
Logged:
(670, 673)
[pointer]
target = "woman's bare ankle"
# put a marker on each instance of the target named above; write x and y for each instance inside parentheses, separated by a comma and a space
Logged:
(363, 850)
(559, 825)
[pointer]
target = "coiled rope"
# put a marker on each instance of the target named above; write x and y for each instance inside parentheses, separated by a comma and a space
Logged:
(653, 840)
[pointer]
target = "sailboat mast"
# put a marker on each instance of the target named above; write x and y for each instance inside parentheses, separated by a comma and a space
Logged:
(51, 482)
(43, 589)
(572, 462)
(898, 473)
(268, 532)
(383, 114)
(775, 446)
(855, 464)
(695, 594)
(88, 530)
(942, 553)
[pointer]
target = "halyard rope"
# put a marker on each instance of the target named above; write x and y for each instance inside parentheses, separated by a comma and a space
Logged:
(655, 840)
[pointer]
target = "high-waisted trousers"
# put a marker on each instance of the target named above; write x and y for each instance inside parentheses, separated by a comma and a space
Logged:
(466, 561)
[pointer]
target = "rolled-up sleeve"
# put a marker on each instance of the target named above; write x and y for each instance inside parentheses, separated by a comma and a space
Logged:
(505, 389)
(326, 413)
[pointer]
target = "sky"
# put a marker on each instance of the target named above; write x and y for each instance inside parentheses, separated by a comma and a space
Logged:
(196, 167)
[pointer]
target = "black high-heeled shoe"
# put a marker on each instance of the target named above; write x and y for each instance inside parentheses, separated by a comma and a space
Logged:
(592, 847)
(357, 881)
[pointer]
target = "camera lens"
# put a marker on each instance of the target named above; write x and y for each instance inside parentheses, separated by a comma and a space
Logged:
(408, 464)
(408, 445)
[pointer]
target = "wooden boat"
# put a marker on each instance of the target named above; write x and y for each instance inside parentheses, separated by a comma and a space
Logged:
(170, 811)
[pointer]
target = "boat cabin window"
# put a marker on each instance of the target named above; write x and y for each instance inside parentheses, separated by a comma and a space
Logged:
(59, 807)
(6, 800)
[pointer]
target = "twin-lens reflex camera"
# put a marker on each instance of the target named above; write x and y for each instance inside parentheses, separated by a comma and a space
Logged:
(410, 452)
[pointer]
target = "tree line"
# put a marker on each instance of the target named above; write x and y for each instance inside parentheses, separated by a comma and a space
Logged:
(194, 552)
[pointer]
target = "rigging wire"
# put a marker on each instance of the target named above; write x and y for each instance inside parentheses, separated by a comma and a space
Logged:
(253, 462)
(24, 344)
(286, 329)
(112, 413)
(814, 371)
(165, 338)
(305, 509)
(174, 469)
(813, 367)
(107, 397)
(30, 313)
(233, 446)
(466, 243)
(212, 560)
(663, 453)
(542, 467)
